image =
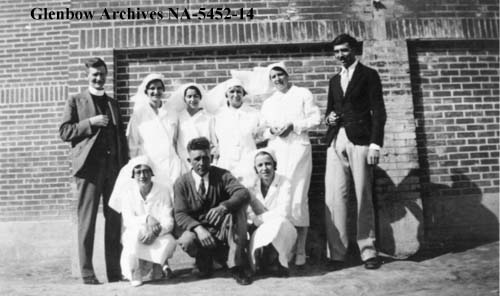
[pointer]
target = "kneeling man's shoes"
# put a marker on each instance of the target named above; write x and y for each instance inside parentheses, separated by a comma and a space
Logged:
(372, 263)
(240, 276)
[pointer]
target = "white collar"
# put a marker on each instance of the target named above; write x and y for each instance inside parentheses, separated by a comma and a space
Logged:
(197, 179)
(96, 92)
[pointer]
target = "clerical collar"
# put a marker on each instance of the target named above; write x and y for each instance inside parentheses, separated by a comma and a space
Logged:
(96, 92)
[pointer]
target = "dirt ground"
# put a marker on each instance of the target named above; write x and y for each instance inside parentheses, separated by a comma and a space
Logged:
(470, 272)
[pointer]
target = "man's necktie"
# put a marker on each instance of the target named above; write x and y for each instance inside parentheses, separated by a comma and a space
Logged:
(202, 190)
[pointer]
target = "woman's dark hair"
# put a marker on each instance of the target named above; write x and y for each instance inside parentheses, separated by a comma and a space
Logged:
(196, 89)
(138, 166)
(153, 81)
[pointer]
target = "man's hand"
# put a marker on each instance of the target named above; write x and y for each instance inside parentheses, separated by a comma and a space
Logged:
(205, 238)
(216, 215)
(154, 225)
(99, 120)
(373, 156)
(285, 130)
(332, 119)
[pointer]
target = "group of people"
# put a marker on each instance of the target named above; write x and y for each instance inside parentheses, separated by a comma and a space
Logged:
(197, 180)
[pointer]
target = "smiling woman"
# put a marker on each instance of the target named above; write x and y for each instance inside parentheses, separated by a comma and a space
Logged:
(38, 13)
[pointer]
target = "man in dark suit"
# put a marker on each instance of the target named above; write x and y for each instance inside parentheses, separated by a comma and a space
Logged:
(92, 123)
(210, 212)
(355, 116)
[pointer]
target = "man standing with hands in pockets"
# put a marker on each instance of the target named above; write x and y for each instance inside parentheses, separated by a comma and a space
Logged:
(92, 123)
(355, 116)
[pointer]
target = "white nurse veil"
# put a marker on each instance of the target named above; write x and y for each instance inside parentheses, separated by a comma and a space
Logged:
(176, 101)
(141, 98)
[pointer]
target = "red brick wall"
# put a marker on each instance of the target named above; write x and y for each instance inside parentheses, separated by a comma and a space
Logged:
(455, 88)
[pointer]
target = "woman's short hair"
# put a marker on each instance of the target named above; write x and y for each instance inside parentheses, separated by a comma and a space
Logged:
(138, 166)
(275, 163)
(194, 88)
(153, 81)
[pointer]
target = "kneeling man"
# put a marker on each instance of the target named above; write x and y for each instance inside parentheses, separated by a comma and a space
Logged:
(210, 210)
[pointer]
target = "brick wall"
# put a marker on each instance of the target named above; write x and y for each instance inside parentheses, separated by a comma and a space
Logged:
(455, 88)
(42, 64)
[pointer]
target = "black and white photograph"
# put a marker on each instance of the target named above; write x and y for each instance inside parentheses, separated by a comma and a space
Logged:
(259, 147)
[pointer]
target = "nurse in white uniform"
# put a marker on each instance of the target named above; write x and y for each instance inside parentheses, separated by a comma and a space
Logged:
(236, 126)
(287, 116)
(272, 241)
(153, 129)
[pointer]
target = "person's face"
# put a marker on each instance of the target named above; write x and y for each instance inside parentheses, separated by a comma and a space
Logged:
(97, 77)
(200, 161)
(280, 79)
(192, 99)
(344, 54)
(155, 90)
(235, 96)
(143, 174)
(264, 166)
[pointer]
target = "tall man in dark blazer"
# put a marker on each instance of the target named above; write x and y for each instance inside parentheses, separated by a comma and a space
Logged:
(92, 123)
(355, 116)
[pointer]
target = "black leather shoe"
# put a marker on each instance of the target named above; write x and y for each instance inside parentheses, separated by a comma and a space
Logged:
(240, 276)
(280, 272)
(334, 265)
(116, 279)
(373, 263)
(91, 280)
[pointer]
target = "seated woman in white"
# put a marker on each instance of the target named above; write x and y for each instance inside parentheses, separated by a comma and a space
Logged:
(272, 241)
(147, 213)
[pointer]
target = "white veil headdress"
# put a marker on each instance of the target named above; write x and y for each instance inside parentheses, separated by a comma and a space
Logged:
(124, 182)
(176, 100)
(140, 98)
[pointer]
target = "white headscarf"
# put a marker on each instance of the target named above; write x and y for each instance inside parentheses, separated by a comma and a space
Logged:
(141, 98)
(124, 182)
(176, 101)
(216, 97)
(280, 65)
(268, 151)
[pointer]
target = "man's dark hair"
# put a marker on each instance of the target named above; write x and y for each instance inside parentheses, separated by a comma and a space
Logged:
(95, 62)
(200, 143)
(345, 38)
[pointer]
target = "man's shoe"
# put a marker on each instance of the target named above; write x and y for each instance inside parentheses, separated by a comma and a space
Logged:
(240, 276)
(201, 274)
(334, 265)
(91, 280)
(281, 272)
(116, 279)
(373, 263)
